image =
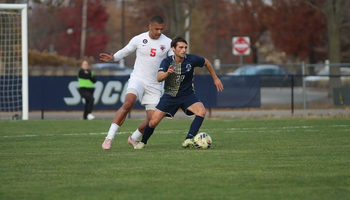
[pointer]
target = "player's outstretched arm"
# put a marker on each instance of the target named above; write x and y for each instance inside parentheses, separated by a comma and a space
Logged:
(211, 70)
(106, 57)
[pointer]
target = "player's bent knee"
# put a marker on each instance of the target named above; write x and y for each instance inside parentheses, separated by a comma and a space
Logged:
(153, 124)
(201, 113)
(128, 105)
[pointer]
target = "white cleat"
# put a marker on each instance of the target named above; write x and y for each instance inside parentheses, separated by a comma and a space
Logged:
(140, 145)
(188, 143)
(90, 116)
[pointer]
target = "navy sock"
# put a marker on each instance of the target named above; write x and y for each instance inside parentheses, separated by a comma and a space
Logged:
(147, 134)
(196, 124)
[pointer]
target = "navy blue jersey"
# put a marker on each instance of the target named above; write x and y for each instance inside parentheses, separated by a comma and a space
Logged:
(180, 82)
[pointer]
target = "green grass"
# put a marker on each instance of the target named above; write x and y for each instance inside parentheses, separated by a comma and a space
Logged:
(249, 159)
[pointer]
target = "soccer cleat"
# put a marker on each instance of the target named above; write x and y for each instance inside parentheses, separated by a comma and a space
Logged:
(188, 143)
(140, 145)
(90, 116)
(132, 142)
(107, 144)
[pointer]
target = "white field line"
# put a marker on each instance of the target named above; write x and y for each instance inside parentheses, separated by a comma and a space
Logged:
(76, 134)
(228, 130)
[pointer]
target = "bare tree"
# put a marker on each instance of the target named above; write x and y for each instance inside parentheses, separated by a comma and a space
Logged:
(335, 12)
(52, 4)
(174, 11)
(181, 10)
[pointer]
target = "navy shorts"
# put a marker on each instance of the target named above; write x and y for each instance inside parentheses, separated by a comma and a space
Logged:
(170, 105)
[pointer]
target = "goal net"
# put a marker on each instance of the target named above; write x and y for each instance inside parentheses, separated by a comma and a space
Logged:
(13, 62)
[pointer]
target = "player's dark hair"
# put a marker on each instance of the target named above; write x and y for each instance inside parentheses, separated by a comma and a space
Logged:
(157, 19)
(176, 40)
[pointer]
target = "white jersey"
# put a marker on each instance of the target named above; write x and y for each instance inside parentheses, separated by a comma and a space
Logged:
(149, 55)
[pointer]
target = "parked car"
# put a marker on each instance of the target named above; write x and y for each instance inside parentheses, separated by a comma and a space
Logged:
(112, 68)
(271, 75)
(323, 77)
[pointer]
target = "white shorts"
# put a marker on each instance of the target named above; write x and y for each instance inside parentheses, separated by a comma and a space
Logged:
(148, 95)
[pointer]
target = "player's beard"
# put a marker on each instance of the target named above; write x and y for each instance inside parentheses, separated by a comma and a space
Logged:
(155, 36)
(180, 56)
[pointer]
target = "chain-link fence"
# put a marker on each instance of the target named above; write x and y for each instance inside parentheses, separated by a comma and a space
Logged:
(297, 85)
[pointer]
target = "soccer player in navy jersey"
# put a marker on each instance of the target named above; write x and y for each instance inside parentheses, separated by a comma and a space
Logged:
(177, 71)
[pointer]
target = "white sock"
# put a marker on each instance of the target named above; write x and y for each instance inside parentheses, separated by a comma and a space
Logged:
(136, 135)
(112, 131)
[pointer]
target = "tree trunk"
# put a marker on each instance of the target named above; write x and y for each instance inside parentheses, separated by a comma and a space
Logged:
(177, 21)
(333, 45)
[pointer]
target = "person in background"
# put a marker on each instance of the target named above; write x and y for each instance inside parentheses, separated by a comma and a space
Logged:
(86, 89)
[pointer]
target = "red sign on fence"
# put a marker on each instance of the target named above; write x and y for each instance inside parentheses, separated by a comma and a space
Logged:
(241, 45)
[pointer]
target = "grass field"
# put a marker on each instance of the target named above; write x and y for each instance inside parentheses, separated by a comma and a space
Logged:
(250, 159)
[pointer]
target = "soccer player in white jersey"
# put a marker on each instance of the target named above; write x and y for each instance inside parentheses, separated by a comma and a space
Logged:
(151, 48)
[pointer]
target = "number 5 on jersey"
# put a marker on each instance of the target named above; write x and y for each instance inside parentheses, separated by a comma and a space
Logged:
(153, 52)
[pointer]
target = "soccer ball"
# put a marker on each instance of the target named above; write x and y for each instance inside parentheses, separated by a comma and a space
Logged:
(202, 141)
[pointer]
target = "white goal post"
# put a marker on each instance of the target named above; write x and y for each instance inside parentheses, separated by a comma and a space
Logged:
(11, 55)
